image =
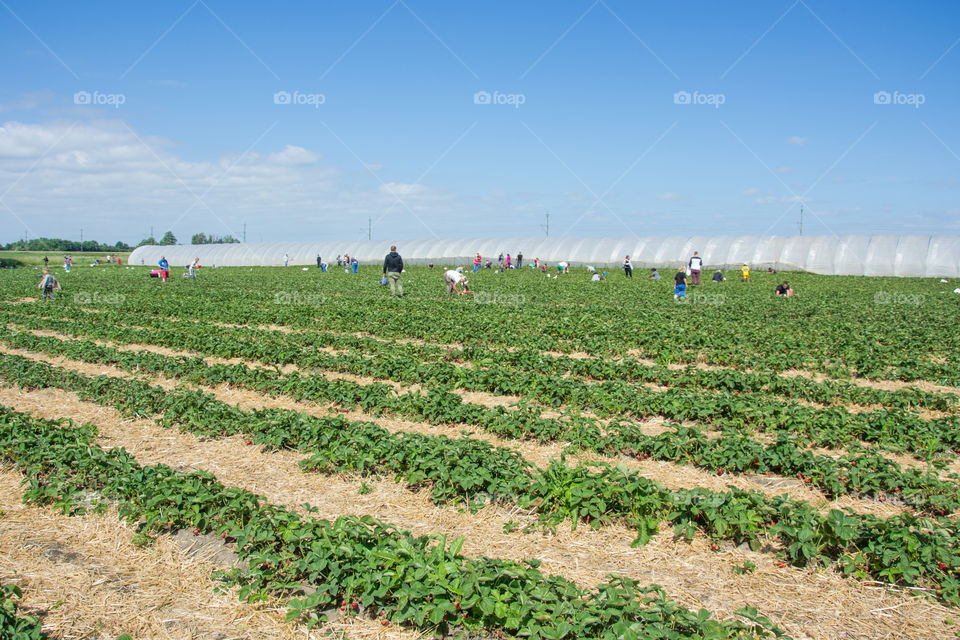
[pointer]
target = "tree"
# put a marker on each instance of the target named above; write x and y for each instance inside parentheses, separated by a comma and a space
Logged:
(145, 241)
(202, 238)
(168, 239)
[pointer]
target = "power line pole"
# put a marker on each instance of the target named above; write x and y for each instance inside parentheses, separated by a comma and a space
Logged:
(244, 231)
(801, 219)
(81, 239)
(370, 228)
(546, 227)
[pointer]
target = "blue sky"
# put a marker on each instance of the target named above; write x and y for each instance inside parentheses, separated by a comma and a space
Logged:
(387, 119)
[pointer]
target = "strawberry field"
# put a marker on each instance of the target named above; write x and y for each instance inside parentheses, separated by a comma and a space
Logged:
(542, 458)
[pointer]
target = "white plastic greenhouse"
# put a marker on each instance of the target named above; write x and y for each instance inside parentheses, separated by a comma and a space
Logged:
(911, 256)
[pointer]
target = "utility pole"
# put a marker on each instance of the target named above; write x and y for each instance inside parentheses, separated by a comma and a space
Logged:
(151, 231)
(244, 231)
(801, 219)
(81, 239)
(546, 227)
(370, 228)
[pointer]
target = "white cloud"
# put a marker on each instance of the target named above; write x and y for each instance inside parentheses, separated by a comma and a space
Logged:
(783, 170)
(797, 140)
(752, 191)
(114, 182)
(667, 195)
(400, 189)
(293, 155)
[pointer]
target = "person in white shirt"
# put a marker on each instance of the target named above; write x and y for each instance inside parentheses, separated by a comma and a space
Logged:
(596, 277)
(695, 264)
(453, 279)
(627, 267)
(563, 267)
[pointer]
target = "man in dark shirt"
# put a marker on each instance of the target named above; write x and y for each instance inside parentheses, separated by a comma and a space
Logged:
(680, 291)
(784, 290)
(392, 267)
(520, 260)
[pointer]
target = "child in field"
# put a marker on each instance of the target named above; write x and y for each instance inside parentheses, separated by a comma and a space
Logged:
(654, 274)
(680, 290)
(48, 284)
(745, 273)
(164, 268)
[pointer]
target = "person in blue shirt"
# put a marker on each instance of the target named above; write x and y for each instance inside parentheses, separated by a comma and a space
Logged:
(164, 269)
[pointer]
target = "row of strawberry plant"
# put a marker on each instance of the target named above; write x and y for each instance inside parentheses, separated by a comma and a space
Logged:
(352, 563)
(856, 473)
(832, 427)
(827, 331)
(899, 550)
(527, 360)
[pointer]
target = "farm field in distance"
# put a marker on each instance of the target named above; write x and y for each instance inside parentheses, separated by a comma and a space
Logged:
(277, 452)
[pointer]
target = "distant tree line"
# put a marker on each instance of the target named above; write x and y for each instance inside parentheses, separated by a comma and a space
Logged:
(202, 238)
(67, 246)
(71, 246)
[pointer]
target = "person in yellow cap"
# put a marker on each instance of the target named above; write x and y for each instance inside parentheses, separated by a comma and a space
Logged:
(745, 273)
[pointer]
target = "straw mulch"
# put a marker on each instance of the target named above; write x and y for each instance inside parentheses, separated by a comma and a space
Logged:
(815, 604)
(85, 579)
